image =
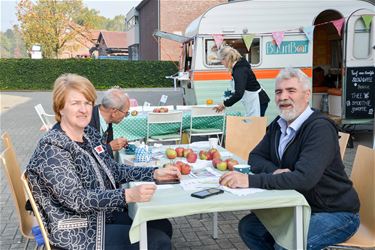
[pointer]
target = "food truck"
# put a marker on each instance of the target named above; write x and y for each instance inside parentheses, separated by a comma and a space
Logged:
(332, 41)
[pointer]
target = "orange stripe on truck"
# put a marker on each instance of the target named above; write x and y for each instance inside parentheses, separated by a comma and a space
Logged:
(225, 75)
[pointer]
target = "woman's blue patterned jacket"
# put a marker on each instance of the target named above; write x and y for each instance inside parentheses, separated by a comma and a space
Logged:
(75, 189)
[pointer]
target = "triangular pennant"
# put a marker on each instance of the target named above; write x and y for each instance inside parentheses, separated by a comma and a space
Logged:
(219, 38)
(248, 39)
(367, 20)
(309, 31)
(338, 24)
(278, 36)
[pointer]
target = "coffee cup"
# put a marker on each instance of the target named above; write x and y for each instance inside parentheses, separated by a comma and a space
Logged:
(213, 142)
(242, 168)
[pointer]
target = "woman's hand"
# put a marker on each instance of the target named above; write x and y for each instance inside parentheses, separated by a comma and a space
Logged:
(169, 172)
(219, 108)
(141, 193)
(234, 179)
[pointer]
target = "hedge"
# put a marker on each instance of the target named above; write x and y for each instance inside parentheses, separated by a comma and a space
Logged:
(28, 74)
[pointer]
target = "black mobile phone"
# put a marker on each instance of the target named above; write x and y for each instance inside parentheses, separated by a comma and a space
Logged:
(161, 182)
(206, 193)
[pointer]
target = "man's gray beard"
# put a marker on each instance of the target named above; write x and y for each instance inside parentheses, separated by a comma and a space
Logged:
(289, 115)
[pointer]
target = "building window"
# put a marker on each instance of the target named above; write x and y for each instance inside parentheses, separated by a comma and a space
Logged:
(252, 56)
(362, 40)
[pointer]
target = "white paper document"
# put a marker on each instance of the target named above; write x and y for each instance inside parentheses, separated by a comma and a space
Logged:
(164, 186)
(200, 183)
(242, 191)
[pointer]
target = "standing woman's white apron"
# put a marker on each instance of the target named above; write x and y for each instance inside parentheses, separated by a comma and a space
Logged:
(250, 100)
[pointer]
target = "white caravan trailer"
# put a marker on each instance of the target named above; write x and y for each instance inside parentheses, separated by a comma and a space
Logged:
(347, 60)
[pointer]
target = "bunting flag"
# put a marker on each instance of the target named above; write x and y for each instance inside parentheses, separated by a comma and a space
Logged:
(248, 39)
(338, 24)
(278, 36)
(219, 38)
(309, 31)
(367, 20)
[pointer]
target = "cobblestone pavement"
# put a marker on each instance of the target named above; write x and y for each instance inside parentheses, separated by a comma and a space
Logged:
(20, 120)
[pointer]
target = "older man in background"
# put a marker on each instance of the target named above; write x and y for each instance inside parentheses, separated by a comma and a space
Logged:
(113, 109)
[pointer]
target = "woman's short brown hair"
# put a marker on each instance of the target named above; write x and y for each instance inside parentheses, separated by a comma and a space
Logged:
(67, 82)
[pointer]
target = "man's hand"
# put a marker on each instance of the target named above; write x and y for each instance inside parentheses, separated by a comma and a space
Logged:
(141, 193)
(219, 108)
(170, 172)
(235, 179)
(118, 144)
(281, 170)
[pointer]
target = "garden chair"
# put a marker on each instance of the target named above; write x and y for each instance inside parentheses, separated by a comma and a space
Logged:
(47, 120)
(200, 112)
(166, 119)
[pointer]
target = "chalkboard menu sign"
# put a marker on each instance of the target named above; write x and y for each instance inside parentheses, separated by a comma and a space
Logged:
(360, 93)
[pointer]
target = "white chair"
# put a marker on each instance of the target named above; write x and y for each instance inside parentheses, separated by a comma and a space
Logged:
(47, 120)
(183, 107)
(200, 112)
(174, 117)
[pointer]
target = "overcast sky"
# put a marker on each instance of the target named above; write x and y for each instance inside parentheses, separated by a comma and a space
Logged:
(109, 9)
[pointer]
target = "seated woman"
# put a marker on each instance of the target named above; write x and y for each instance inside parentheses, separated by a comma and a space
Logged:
(74, 180)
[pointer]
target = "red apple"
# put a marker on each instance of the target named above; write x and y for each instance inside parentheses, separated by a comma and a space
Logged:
(187, 151)
(203, 155)
(163, 110)
(231, 163)
(215, 155)
(179, 165)
(180, 151)
(185, 169)
(156, 110)
(215, 161)
(191, 157)
(171, 153)
(222, 165)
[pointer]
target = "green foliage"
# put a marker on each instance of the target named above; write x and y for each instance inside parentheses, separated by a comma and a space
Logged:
(12, 45)
(28, 74)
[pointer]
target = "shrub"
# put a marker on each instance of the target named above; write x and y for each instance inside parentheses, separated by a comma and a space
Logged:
(28, 74)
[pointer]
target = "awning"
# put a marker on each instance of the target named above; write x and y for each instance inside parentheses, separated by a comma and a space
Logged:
(171, 36)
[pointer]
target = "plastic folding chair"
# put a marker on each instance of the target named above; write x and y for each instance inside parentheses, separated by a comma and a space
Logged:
(243, 134)
(363, 177)
(343, 142)
(36, 211)
(47, 120)
(173, 117)
(12, 172)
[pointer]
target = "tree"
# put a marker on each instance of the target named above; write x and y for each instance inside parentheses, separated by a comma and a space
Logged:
(12, 45)
(52, 23)
(116, 24)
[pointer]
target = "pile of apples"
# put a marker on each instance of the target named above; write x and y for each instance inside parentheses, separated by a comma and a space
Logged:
(188, 153)
(184, 168)
(160, 110)
(223, 165)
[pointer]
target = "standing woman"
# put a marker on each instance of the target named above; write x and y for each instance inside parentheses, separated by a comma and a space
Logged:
(245, 85)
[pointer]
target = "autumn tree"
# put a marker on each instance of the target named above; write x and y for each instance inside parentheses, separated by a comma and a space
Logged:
(53, 23)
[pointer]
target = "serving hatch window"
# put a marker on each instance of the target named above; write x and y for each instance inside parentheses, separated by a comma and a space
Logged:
(362, 40)
(252, 55)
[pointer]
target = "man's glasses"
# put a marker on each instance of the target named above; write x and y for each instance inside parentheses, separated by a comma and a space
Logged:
(126, 113)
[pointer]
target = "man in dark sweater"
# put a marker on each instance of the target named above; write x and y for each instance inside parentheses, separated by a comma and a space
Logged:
(300, 151)
(113, 109)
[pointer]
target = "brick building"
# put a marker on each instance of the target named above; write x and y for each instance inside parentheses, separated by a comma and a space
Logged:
(171, 16)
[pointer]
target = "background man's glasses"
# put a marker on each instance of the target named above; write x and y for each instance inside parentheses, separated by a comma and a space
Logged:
(126, 113)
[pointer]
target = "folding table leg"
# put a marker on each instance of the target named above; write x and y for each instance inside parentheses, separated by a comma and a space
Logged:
(143, 236)
(214, 225)
(298, 222)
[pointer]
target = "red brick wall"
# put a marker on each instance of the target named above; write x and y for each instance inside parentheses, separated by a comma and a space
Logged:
(148, 22)
(176, 15)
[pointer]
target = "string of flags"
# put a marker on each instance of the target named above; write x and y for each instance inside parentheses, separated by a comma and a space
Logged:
(278, 36)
